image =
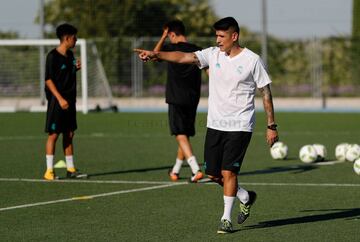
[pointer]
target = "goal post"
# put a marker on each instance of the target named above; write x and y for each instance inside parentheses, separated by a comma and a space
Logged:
(22, 80)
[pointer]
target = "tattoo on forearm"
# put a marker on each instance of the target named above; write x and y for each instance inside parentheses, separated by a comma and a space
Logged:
(266, 92)
(195, 60)
(268, 103)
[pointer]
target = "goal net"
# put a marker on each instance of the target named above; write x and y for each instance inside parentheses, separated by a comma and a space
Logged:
(22, 76)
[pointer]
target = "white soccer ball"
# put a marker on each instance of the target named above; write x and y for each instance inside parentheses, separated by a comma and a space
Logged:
(357, 166)
(353, 152)
(340, 151)
(321, 151)
(279, 151)
(308, 154)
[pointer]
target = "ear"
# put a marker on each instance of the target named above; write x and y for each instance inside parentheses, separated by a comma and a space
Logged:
(172, 35)
(66, 38)
(235, 36)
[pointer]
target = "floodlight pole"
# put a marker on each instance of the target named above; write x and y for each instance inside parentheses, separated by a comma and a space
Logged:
(264, 53)
(42, 53)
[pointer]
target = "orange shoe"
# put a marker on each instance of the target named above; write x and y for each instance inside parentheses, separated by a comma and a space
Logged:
(173, 176)
(196, 177)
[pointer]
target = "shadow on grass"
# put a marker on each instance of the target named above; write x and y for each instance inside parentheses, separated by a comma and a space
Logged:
(131, 171)
(331, 215)
(293, 168)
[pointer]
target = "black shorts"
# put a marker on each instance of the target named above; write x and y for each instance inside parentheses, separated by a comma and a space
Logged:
(182, 119)
(59, 120)
(225, 151)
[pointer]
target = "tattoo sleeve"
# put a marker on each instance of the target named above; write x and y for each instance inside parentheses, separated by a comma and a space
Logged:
(195, 60)
(268, 103)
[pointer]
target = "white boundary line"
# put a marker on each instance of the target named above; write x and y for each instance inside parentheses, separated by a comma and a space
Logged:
(300, 184)
(89, 196)
(205, 181)
(88, 181)
(161, 185)
(147, 135)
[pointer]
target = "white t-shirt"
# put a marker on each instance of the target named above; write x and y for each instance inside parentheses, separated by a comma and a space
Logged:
(232, 86)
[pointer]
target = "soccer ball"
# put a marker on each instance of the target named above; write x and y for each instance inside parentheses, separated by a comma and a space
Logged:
(353, 152)
(308, 154)
(340, 151)
(357, 166)
(321, 151)
(279, 151)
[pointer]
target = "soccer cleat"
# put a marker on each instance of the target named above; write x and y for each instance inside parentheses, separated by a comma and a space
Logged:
(173, 176)
(50, 175)
(245, 208)
(75, 174)
(196, 177)
(225, 227)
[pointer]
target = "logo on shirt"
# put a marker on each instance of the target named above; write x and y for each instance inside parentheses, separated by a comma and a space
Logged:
(217, 65)
(74, 66)
(63, 67)
(240, 69)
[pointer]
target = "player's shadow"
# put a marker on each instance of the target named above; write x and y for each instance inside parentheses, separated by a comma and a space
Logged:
(292, 168)
(131, 171)
(277, 169)
(332, 214)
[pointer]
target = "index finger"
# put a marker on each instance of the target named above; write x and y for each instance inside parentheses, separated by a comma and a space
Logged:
(138, 50)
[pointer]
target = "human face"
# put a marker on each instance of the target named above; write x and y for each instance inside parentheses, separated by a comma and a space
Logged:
(226, 39)
(71, 40)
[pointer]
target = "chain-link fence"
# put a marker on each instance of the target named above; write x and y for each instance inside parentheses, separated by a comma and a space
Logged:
(308, 68)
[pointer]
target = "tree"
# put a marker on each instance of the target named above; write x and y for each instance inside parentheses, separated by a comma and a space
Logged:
(109, 21)
(115, 18)
(9, 35)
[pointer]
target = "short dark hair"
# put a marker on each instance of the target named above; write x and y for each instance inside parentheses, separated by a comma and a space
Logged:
(226, 24)
(65, 29)
(176, 26)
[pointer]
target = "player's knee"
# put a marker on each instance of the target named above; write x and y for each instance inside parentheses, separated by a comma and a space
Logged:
(228, 174)
(181, 138)
(69, 135)
(53, 137)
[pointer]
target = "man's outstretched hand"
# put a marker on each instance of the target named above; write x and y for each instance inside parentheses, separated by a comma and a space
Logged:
(146, 55)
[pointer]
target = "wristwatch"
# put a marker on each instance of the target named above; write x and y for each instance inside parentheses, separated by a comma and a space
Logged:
(272, 126)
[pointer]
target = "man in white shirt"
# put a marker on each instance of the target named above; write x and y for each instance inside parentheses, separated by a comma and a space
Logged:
(234, 74)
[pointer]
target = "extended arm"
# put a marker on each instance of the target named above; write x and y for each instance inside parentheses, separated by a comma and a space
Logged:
(271, 134)
(171, 56)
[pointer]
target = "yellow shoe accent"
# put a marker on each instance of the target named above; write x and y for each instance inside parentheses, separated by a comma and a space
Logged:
(50, 175)
(71, 170)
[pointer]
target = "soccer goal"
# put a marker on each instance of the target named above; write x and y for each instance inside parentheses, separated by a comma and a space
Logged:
(22, 75)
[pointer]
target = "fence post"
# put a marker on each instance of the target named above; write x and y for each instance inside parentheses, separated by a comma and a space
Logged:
(136, 70)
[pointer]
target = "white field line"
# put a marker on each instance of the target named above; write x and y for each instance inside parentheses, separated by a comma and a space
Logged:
(88, 197)
(300, 184)
(147, 135)
(162, 185)
(89, 181)
(327, 163)
(205, 181)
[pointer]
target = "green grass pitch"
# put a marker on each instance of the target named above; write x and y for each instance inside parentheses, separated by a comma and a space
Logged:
(128, 196)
